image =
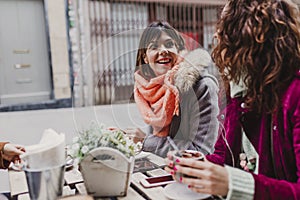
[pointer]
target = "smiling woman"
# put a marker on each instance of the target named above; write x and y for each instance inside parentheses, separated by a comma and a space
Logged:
(158, 39)
(175, 96)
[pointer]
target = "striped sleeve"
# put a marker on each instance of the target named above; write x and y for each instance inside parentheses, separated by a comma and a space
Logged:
(241, 184)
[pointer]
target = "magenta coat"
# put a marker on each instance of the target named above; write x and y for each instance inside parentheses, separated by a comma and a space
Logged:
(280, 180)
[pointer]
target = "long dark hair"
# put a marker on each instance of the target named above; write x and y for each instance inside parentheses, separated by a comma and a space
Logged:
(151, 33)
(259, 44)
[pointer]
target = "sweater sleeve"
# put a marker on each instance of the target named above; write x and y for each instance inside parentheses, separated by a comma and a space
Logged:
(241, 184)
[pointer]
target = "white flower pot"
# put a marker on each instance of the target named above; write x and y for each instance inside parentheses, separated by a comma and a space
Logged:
(106, 172)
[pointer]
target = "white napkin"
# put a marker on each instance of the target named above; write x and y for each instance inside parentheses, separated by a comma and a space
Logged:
(50, 152)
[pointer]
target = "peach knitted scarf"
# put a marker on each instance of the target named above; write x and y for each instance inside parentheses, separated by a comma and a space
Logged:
(157, 100)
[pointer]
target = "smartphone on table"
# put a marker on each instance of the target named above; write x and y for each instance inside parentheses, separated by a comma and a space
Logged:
(157, 181)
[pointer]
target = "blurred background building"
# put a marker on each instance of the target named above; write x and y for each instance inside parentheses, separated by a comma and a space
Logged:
(35, 70)
(78, 53)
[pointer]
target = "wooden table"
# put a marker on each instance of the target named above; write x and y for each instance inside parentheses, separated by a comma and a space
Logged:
(74, 185)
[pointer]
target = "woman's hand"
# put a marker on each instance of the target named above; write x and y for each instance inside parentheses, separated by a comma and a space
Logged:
(11, 152)
(136, 134)
(200, 176)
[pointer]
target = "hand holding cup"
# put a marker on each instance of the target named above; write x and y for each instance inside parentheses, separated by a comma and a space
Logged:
(189, 154)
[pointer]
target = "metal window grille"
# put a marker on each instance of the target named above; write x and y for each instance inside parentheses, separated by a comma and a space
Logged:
(115, 27)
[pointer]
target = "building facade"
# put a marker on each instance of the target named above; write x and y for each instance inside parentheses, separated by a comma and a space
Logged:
(105, 35)
(56, 53)
(34, 55)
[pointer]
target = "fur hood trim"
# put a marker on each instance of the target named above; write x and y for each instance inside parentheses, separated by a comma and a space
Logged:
(194, 65)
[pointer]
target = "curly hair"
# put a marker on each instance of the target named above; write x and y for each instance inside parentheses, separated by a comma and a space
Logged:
(152, 32)
(259, 44)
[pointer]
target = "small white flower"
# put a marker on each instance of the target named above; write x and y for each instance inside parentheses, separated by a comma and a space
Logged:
(127, 140)
(75, 139)
(75, 147)
(97, 136)
(139, 144)
(71, 152)
(84, 149)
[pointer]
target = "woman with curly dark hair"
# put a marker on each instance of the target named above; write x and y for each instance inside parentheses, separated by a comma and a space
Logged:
(258, 52)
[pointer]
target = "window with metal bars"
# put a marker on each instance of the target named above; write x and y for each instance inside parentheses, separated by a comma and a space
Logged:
(114, 30)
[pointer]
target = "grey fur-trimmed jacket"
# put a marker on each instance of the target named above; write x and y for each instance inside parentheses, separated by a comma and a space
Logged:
(196, 127)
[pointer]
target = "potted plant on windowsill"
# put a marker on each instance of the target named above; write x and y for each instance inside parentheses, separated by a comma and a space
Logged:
(106, 160)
